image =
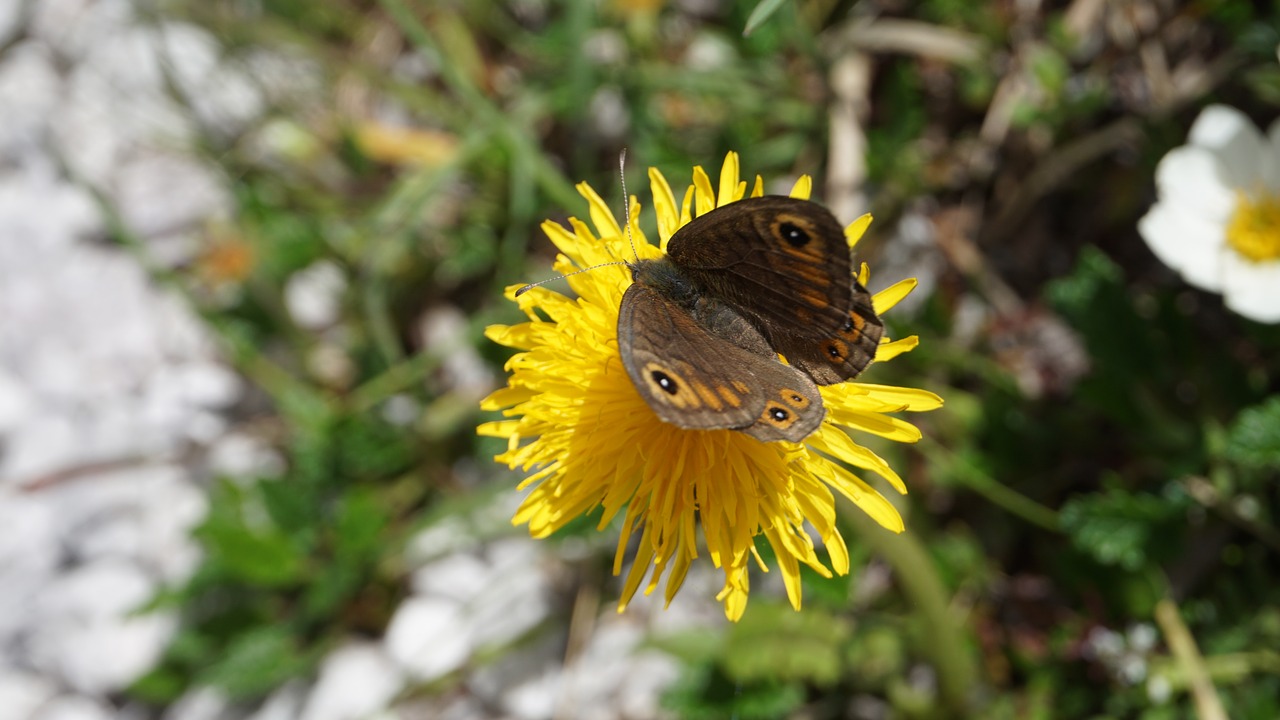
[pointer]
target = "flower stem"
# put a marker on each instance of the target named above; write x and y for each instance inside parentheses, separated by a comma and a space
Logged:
(943, 636)
(973, 478)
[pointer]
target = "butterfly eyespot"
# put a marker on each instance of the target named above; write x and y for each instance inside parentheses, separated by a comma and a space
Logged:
(848, 325)
(778, 414)
(664, 381)
(794, 398)
(836, 349)
(793, 234)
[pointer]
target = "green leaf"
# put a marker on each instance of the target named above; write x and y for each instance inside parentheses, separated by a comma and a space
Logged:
(360, 524)
(256, 555)
(291, 505)
(773, 642)
(701, 693)
(692, 647)
(1254, 437)
(259, 559)
(760, 14)
(1117, 527)
(162, 685)
(256, 662)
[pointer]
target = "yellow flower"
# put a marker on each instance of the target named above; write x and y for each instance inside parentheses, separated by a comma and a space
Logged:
(578, 423)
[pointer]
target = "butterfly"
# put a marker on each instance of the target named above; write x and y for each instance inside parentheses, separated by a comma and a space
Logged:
(700, 330)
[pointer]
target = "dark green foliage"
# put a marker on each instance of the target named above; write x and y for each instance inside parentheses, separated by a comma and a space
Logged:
(1124, 529)
(1254, 437)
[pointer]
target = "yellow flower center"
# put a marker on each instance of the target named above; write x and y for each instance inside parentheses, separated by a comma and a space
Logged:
(1254, 230)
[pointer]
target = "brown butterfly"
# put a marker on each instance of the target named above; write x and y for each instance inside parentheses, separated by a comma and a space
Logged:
(700, 330)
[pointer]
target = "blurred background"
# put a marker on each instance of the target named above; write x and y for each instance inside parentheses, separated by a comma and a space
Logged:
(248, 250)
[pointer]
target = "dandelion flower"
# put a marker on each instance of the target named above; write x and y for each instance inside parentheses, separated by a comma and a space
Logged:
(575, 420)
(1217, 219)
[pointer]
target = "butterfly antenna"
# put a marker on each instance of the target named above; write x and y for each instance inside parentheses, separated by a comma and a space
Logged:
(626, 201)
(531, 286)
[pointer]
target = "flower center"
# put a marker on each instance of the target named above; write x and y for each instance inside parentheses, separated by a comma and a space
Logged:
(1254, 230)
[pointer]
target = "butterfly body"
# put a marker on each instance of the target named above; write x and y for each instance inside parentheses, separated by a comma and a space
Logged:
(700, 330)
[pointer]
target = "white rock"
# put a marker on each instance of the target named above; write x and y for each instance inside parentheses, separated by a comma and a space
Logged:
(73, 707)
(283, 704)
(399, 409)
(44, 443)
(200, 704)
(536, 697)
(29, 92)
(611, 673)
(72, 27)
(313, 295)
(203, 427)
(650, 674)
(444, 331)
(355, 681)
(160, 192)
(220, 94)
(602, 666)
(209, 384)
(446, 535)
(145, 513)
(460, 577)
(39, 212)
(84, 633)
(428, 637)
(29, 556)
(242, 455)
(22, 693)
(11, 19)
(524, 682)
(115, 106)
(15, 402)
(288, 78)
(516, 594)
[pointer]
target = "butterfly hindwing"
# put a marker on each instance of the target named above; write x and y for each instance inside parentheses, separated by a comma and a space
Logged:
(697, 379)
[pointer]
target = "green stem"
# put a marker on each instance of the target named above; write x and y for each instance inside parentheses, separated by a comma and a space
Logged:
(1190, 661)
(943, 638)
(973, 478)
(405, 374)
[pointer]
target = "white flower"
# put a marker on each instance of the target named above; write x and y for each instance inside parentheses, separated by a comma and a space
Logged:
(1217, 220)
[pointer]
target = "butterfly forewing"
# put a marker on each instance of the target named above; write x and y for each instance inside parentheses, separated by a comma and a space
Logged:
(786, 265)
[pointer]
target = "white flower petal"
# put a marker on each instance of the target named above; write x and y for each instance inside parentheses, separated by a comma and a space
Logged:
(1194, 179)
(1185, 242)
(1252, 289)
(1271, 167)
(1231, 135)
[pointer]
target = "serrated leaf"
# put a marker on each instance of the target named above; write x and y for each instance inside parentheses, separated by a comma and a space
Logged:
(774, 642)
(1094, 272)
(1254, 438)
(1116, 527)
